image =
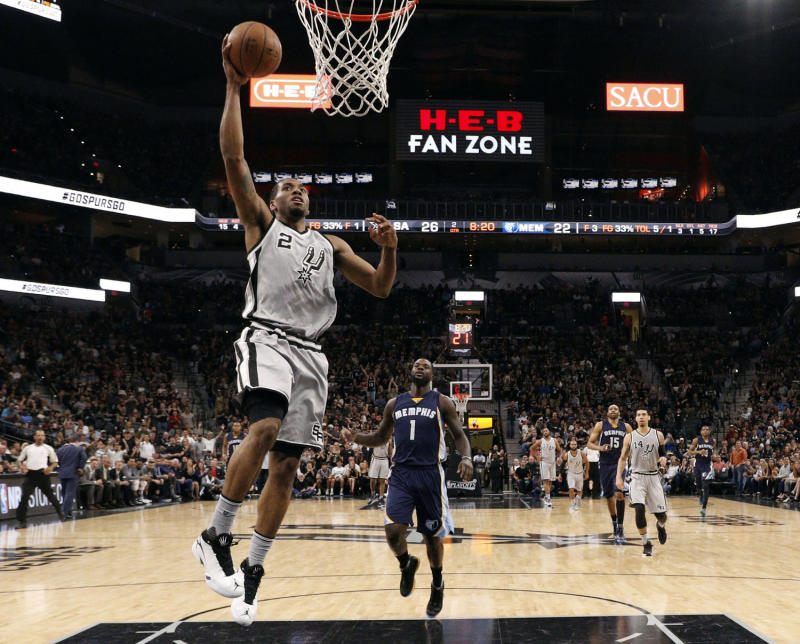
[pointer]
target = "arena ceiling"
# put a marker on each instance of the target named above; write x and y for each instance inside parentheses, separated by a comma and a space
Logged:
(739, 56)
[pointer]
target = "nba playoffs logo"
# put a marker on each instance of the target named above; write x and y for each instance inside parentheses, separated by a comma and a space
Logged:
(3, 498)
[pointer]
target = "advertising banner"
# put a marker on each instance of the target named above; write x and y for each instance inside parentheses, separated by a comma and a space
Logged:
(469, 131)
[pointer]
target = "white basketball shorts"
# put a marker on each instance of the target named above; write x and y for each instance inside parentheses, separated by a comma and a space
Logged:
(293, 367)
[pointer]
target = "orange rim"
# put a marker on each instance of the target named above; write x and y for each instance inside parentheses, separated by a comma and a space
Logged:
(359, 17)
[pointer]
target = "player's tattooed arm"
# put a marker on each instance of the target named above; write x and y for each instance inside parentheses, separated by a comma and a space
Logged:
(453, 422)
(376, 438)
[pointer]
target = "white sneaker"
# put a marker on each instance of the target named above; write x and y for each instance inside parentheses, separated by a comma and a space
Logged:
(214, 552)
(244, 608)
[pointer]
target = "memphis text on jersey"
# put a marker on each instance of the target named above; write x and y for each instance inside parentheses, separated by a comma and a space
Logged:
(415, 411)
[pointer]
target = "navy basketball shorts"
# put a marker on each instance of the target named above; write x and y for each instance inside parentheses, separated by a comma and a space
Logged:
(608, 479)
(422, 490)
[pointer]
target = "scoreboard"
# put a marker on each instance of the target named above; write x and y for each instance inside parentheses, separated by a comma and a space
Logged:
(441, 226)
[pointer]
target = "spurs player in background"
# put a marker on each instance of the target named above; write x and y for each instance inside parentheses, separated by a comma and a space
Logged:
(379, 471)
(577, 473)
(281, 371)
(549, 448)
(607, 437)
(645, 445)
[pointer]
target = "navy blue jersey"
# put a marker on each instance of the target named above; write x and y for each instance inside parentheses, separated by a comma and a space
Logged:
(613, 436)
(418, 431)
(703, 463)
(233, 443)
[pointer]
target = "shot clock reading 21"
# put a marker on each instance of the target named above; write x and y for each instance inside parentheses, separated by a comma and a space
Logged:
(470, 131)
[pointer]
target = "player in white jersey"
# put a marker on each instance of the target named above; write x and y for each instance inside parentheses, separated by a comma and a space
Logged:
(281, 371)
(379, 472)
(545, 451)
(577, 473)
(644, 445)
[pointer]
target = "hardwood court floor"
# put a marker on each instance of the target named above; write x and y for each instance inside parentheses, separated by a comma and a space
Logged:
(331, 563)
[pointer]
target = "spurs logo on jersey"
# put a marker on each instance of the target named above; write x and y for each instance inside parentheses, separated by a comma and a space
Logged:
(310, 265)
(291, 282)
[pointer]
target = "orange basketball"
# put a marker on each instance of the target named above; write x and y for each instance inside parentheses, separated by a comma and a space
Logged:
(255, 49)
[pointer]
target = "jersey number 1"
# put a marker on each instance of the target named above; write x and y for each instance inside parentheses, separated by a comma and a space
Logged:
(413, 427)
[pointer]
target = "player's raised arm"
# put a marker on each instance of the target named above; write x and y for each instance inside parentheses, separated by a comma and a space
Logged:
(250, 208)
(453, 422)
(377, 281)
(692, 448)
(594, 437)
(623, 459)
(376, 438)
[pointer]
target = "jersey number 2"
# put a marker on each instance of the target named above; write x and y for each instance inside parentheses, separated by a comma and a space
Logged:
(285, 241)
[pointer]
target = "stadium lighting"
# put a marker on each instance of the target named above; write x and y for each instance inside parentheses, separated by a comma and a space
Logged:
(470, 296)
(626, 297)
(115, 285)
(52, 290)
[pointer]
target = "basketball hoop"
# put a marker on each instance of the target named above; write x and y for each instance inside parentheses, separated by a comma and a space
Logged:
(461, 400)
(352, 51)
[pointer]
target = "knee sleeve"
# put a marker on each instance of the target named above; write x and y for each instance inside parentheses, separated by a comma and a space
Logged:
(641, 519)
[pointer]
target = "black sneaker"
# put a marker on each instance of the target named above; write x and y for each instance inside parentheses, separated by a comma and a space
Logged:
(407, 576)
(435, 602)
(244, 608)
(662, 533)
(648, 550)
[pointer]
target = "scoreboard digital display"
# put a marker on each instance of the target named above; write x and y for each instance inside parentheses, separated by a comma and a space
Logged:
(439, 226)
(469, 131)
(459, 335)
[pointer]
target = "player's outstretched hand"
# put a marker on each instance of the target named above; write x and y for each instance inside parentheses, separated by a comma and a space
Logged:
(234, 77)
(347, 436)
(465, 469)
(381, 231)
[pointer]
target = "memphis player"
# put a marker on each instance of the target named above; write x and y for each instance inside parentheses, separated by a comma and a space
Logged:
(702, 449)
(607, 437)
(416, 481)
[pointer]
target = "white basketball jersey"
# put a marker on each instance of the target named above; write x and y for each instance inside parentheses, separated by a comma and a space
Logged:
(644, 452)
(549, 450)
(381, 452)
(574, 463)
(291, 282)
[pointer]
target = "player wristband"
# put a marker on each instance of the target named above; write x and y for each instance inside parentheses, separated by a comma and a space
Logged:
(466, 458)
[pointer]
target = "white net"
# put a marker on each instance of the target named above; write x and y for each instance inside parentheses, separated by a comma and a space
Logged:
(353, 47)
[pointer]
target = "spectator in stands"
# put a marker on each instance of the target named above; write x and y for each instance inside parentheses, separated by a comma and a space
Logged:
(738, 458)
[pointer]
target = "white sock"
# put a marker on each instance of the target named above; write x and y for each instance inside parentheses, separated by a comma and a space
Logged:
(644, 539)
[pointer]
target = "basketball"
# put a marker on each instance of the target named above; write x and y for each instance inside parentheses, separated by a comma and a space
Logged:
(255, 49)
